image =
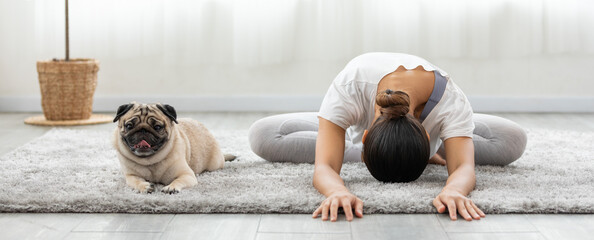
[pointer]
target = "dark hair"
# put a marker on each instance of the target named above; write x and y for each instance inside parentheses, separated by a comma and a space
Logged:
(396, 148)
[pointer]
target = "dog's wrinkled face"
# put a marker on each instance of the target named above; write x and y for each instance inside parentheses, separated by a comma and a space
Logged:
(145, 128)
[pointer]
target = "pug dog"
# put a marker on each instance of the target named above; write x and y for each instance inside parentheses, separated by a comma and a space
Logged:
(153, 146)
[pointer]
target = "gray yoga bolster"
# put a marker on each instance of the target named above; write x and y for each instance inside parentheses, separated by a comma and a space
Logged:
(292, 138)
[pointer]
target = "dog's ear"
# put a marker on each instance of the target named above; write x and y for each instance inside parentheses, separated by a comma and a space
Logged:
(169, 111)
(123, 110)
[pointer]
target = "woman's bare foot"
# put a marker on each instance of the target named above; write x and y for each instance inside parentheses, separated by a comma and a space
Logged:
(437, 159)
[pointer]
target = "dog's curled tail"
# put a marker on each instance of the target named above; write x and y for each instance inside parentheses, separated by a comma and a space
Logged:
(229, 157)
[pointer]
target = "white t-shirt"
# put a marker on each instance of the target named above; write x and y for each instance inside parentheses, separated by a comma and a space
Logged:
(350, 100)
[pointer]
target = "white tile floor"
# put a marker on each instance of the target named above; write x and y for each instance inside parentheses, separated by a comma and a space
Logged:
(295, 226)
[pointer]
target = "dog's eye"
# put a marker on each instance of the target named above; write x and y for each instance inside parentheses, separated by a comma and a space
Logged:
(157, 127)
(129, 126)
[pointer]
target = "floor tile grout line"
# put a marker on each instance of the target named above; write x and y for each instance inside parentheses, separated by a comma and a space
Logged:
(258, 227)
(532, 224)
(86, 215)
(543, 236)
(114, 232)
(493, 233)
(158, 235)
(169, 223)
(351, 229)
(440, 224)
(172, 217)
(308, 232)
(80, 222)
(436, 216)
(499, 232)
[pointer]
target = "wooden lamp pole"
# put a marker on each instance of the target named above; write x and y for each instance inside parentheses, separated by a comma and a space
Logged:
(67, 44)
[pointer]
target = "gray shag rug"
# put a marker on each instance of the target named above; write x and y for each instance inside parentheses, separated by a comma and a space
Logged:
(78, 171)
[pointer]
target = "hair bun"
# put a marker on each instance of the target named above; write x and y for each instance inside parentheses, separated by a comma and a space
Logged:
(393, 104)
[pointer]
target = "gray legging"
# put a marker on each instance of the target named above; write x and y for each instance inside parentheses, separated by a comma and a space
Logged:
(292, 138)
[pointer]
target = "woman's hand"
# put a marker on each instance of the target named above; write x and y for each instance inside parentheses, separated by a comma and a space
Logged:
(343, 199)
(457, 202)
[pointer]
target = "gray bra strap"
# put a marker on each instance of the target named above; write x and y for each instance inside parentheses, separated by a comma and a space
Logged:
(438, 90)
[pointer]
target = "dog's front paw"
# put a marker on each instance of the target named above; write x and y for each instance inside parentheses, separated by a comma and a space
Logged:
(146, 187)
(170, 189)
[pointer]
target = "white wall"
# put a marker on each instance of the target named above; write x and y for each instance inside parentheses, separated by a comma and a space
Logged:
(282, 54)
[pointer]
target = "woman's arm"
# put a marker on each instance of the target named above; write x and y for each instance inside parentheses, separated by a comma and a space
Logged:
(326, 179)
(461, 180)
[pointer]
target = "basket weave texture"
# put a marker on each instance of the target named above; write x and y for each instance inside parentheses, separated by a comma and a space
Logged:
(67, 88)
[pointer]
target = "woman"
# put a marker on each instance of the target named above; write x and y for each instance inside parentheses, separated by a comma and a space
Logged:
(391, 111)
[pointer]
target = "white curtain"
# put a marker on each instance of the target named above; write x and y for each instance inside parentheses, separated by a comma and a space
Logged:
(267, 32)
(296, 47)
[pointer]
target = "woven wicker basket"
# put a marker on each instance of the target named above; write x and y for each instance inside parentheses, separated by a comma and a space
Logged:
(67, 88)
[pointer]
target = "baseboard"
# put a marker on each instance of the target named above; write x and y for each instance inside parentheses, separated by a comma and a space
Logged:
(184, 103)
(304, 103)
(583, 104)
